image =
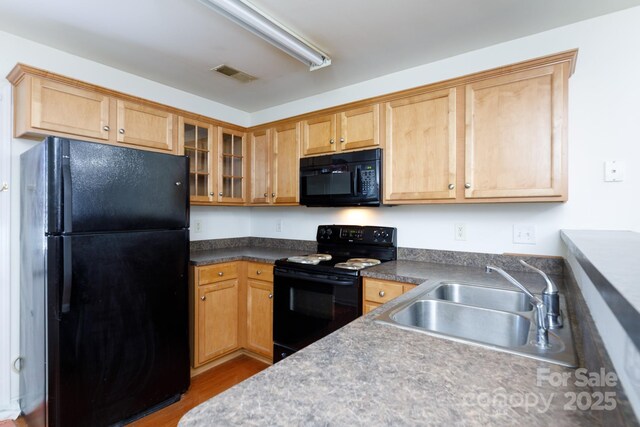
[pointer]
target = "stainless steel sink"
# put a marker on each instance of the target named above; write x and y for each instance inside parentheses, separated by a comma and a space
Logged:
(482, 296)
(490, 317)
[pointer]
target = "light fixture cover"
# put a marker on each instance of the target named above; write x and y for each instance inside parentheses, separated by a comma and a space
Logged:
(247, 16)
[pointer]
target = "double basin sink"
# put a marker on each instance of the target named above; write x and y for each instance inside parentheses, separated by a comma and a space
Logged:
(498, 319)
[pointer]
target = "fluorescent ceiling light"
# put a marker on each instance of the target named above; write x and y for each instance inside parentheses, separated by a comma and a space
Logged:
(258, 23)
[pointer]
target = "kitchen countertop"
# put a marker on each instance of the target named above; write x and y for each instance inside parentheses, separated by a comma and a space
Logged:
(611, 259)
(242, 253)
(372, 374)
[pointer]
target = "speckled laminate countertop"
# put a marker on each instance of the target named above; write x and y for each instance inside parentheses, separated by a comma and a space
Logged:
(372, 374)
(611, 259)
(246, 253)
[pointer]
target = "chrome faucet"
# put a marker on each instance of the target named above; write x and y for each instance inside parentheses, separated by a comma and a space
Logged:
(542, 335)
(551, 299)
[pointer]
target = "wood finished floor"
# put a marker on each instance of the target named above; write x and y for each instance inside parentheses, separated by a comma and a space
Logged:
(203, 387)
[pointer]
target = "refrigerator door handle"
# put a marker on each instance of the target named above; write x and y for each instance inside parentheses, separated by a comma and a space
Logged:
(66, 187)
(65, 305)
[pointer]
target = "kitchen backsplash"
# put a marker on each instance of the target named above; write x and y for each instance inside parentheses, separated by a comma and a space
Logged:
(550, 265)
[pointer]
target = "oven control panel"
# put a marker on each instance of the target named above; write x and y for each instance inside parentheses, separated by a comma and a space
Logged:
(371, 235)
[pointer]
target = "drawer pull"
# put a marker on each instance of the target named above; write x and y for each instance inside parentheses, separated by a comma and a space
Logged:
(258, 272)
(270, 296)
(381, 293)
(220, 273)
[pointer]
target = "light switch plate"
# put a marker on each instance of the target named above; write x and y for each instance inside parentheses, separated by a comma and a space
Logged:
(613, 171)
(524, 234)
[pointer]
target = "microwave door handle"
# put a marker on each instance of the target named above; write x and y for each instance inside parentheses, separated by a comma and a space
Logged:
(356, 182)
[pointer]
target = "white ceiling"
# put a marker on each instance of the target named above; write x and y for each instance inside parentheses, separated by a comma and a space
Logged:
(175, 42)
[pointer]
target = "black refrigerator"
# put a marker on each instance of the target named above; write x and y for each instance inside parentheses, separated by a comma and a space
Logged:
(104, 251)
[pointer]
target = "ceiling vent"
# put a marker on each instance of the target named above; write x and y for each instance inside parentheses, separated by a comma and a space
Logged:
(233, 73)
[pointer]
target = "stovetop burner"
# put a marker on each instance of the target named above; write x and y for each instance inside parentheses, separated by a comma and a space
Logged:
(346, 249)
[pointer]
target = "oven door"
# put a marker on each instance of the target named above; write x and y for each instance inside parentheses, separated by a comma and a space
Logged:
(308, 306)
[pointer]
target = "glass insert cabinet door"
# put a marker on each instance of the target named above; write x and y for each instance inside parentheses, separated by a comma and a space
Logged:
(232, 166)
(197, 140)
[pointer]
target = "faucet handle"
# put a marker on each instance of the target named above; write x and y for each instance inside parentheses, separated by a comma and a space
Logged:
(551, 287)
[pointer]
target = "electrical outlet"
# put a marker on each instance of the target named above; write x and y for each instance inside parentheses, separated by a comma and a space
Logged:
(613, 171)
(279, 226)
(460, 230)
(524, 234)
(197, 226)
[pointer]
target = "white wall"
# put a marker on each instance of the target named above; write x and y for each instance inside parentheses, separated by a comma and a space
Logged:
(603, 120)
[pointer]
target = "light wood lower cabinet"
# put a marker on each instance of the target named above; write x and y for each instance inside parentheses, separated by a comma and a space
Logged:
(376, 292)
(217, 320)
(214, 291)
(231, 308)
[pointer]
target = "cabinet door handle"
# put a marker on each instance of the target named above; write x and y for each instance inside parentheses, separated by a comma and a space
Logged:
(381, 293)
(273, 194)
(212, 193)
(266, 195)
(106, 128)
(451, 186)
(220, 273)
(203, 297)
(270, 296)
(220, 194)
(121, 130)
(341, 139)
(332, 141)
(467, 185)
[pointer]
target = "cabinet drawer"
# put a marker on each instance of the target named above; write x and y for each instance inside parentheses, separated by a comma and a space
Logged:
(381, 291)
(217, 273)
(260, 271)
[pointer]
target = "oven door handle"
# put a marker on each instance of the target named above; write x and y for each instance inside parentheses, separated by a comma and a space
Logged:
(316, 278)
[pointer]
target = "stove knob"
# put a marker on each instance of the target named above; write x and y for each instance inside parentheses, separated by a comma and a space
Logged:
(384, 235)
(329, 232)
(322, 231)
(376, 233)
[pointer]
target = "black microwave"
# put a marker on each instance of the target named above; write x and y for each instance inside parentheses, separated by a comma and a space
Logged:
(345, 179)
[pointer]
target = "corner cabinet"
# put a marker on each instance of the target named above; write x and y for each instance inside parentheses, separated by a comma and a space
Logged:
(515, 135)
(347, 130)
(275, 165)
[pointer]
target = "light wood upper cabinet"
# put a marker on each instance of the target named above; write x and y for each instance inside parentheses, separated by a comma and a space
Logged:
(360, 128)
(143, 126)
(420, 154)
(515, 133)
(348, 130)
(49, 106)
(285, 164)
(197, 140)
(231, 166)
(319, 135)
(275, 165)
(260, 146)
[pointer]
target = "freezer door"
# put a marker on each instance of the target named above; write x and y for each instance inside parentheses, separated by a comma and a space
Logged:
(98, 187)
(123, 337)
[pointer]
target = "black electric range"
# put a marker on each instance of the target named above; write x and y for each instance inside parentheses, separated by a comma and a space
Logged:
(315, 295)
